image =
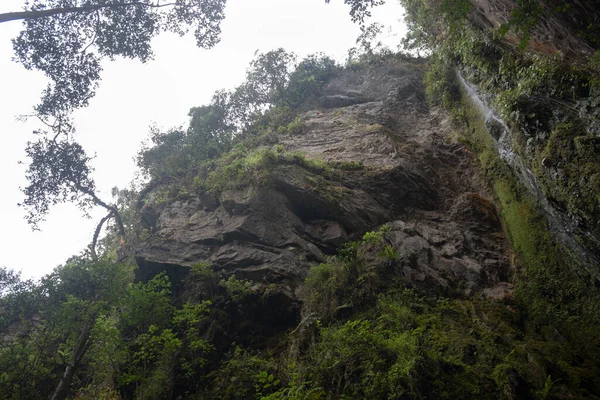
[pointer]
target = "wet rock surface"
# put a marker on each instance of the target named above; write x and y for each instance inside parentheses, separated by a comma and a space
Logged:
(411, 175)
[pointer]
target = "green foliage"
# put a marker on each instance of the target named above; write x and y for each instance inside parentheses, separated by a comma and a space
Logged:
(389, 253)
(348, 281)
(244, 167)
(523, 19)
(202, 270)
(409, 346)
(107, 351)
(297, 391)
(456, 12)
(368, 47)
(154, 354)
(236, 289)
(427, 20)
(360, 9)
(69, 44)
(178, 152)
(372, 237)
(18, 298)
(148, 304)
(349, 165)
(266, 382)
(59, 330)
(308, 78)
(293, 127)
(59, 172)
(245, 117)
(441, 87)
(362, 359)
(240, 375)
(385, 228)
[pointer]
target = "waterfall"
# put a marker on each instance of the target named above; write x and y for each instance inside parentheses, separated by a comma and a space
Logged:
(564, 228)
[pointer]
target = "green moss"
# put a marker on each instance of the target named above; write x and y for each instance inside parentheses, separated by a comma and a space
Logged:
(349, 165)
(526, 229)
(546, 281)
(569, 172)
(559, 305)
(243, 167)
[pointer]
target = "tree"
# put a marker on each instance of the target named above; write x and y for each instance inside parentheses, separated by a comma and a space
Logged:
(59, 171)
(79, 293)
(359, 9)
(17, 299)
(67, 39)
(48, 345)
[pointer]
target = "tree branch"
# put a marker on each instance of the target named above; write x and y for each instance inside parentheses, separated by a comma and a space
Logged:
(95, 34)
(33, 14)
(97, 234)
(99, 202)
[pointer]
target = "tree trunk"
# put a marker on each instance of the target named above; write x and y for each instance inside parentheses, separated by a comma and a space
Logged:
(109, 208)
(63, 386)
(97, 235)
(81, 347)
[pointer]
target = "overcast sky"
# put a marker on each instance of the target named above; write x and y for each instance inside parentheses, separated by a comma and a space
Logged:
(132, 96)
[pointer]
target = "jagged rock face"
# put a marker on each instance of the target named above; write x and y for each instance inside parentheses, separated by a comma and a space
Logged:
(447, 235)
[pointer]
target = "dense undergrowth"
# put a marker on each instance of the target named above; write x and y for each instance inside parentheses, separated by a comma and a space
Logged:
(365, 335)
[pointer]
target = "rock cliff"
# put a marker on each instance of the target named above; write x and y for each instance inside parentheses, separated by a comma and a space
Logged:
(421, 229)
(391, 159)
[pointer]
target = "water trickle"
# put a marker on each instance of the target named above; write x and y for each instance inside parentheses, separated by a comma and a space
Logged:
(500, 131)
(564, 228)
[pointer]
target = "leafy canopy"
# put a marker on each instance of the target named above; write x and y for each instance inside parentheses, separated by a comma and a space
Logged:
(59, 171)
(67, 39)
(69, 46)
(275, 84)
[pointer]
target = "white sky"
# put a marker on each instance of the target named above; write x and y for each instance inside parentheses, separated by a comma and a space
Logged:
(133, 95)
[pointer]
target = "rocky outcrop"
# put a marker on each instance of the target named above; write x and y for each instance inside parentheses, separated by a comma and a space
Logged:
(393, 161)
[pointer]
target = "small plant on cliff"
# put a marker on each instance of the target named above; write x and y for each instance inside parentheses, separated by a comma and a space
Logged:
(385, 228)
(237, 289)
(372, 237)
(389, 253)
